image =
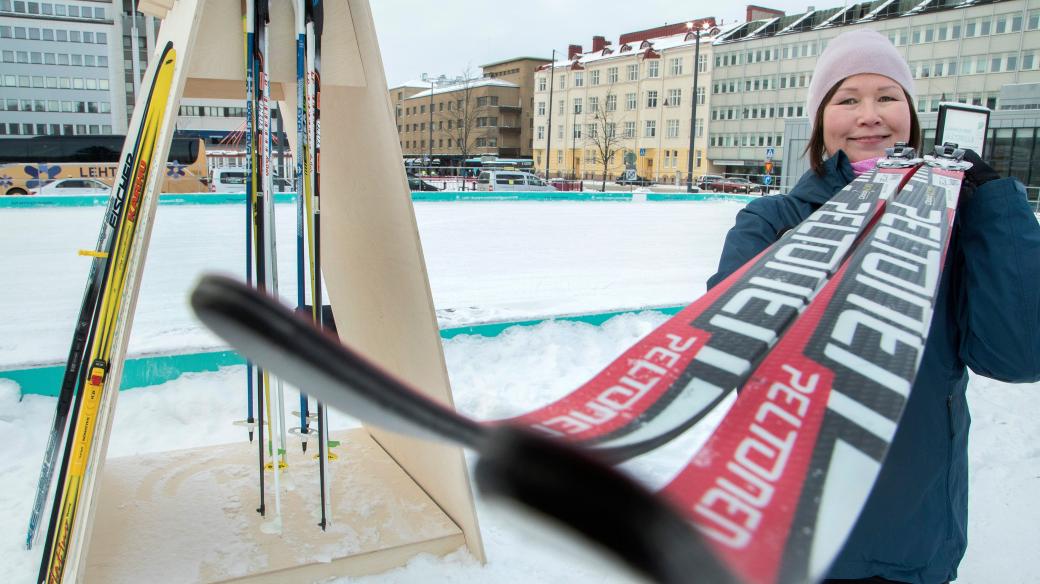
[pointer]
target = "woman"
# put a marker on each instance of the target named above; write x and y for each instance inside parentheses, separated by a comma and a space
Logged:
(913, 528)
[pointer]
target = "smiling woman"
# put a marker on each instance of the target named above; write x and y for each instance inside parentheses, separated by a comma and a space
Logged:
(913, 527)
(860, 100)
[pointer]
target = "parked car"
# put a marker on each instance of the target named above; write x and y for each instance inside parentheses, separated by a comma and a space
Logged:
(704, 183)
(74, 186)
(228, 180)
(735, 185)
(637, 181)
(511, 180)
(418, 184)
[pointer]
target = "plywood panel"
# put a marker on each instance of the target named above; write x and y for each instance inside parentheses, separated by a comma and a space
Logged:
(189, 516)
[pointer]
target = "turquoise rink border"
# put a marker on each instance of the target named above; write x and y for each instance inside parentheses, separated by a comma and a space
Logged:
(157, 369)
(35, 201)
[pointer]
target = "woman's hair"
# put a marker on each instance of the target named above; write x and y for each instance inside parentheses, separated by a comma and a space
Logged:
(817, 150)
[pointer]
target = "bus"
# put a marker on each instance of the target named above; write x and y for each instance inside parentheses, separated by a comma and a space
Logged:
(27, 164)
(473, 166)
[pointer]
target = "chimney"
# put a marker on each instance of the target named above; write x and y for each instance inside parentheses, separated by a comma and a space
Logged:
(573, 51)
(598, 43)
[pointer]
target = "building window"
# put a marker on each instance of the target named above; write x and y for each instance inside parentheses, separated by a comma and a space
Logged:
(653, 69)
(674, 97)
(675, 66)
(630, 129)
(541, 108)
(594, 77)
(672, 130)
(541, 83)
(611, 103)
(579, 79)
(651, 99)
(630, 101)
(650, 130)
(577, 105)
(541, 132)
(593, 104)
(633, 72)
(612, 72)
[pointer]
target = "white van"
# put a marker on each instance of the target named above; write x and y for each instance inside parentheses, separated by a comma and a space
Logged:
(228, 180)
(511, 180)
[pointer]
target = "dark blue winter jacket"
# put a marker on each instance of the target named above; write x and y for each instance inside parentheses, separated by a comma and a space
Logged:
(914, 526)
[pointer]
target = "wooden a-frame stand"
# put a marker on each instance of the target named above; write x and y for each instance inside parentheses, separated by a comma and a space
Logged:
(189, 515)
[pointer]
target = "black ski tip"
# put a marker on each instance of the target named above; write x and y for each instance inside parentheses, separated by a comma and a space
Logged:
(250, 437)
(305, 447)
(575, 489)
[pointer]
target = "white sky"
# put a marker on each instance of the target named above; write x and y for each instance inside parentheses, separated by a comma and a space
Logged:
(446, 36)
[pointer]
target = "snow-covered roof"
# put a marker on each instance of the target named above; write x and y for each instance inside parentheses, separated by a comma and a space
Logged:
(472, 83)
(412, 83)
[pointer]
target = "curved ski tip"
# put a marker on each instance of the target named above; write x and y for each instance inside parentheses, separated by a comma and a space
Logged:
(561, 486)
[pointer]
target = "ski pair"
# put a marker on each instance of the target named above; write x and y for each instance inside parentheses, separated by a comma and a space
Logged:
(820, 411)
(86, 374)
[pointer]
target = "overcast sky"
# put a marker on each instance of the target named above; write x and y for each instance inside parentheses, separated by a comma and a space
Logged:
(444, 36)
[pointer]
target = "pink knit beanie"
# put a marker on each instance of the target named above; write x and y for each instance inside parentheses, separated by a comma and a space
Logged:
(852, 53)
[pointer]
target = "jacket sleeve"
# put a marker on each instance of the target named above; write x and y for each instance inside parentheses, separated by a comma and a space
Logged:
(1000, 309)
(756, 229)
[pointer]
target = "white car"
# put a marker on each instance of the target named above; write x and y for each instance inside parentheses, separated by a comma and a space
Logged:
(228, 180)
(75, 186)
(511, 180)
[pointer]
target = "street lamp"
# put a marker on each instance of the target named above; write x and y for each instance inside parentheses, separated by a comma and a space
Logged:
(429, 159)
(696, 30)
(548, 135)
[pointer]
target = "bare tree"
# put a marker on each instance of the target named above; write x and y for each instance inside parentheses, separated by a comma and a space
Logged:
(458, 119)
(603, 134)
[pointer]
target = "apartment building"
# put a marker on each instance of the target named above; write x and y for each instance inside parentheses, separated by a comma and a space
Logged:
(958, 50)
(629, 104)
(454, 119)
(75, 67)
(520, 71)
(471, 117)
(60, 69)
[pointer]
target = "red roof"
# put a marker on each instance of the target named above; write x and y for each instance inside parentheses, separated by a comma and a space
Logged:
(661, 31)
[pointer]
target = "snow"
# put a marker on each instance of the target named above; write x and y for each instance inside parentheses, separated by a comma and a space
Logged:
(487, 261)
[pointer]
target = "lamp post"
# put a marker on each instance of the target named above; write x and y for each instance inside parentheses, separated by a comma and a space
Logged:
(429, 158)
(548, 135)
(693, 108)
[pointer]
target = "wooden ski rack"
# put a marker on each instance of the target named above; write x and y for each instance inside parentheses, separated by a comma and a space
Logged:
(393, 497)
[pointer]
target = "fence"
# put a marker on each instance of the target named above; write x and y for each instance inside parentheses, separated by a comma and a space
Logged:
(454, 178)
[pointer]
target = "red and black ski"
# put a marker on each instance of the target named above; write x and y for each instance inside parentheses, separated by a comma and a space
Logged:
(779, 485)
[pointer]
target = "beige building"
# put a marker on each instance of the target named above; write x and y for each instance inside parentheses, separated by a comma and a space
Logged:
(957, 50)
(630, 104)
(520, 71)
(450, 120)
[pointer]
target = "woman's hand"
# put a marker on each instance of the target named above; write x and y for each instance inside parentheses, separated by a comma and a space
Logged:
(979, 174)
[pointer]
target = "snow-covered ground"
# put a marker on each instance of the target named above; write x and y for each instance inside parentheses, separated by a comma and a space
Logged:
(487, 261)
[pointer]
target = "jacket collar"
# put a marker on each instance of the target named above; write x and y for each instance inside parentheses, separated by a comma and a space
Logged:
(817, 190)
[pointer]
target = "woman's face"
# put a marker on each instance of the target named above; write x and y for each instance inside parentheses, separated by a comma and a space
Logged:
(867, 114)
